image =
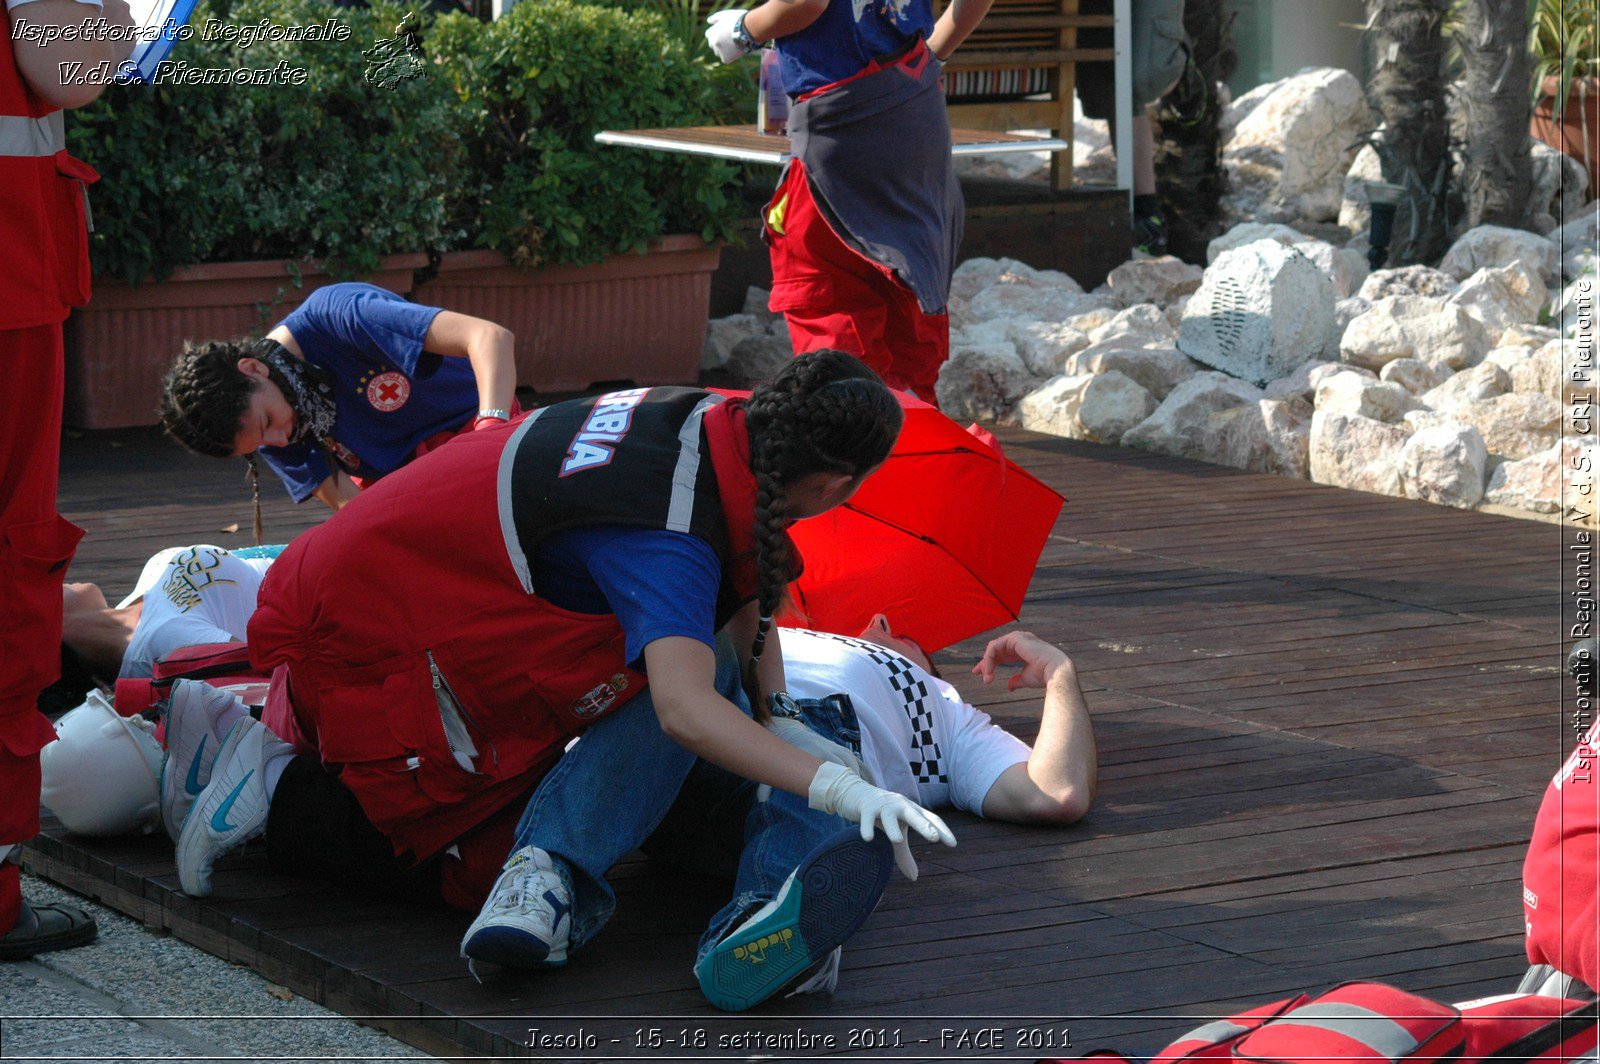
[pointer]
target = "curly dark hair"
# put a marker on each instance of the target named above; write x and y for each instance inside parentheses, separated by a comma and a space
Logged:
(205, 395)
(826, 412)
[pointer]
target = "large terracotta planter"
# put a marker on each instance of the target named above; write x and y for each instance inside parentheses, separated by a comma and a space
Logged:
(120, 345)
(639, 318)
(1580, 123)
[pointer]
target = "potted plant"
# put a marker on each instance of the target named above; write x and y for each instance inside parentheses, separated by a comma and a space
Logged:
(1566, 78)
(572, 246)
(221, 206)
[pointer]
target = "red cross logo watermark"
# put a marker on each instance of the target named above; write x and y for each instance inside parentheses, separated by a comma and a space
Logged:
(388, 391)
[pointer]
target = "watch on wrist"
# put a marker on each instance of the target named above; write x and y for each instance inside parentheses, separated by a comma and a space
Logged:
(742, 35)
(495, 412)
(781, 705)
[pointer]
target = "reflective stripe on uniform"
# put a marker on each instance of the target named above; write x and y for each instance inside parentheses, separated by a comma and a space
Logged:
(1372, 1029)
(680, 510)
(32, 138)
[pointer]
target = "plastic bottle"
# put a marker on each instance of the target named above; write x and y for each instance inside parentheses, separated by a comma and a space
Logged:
(772, 103)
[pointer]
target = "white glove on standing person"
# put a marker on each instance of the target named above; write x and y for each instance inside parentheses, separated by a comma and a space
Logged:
(726, 35)
(835, 789)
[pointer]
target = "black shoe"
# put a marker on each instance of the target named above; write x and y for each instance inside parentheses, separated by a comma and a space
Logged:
(41, 928)
(1149, 226)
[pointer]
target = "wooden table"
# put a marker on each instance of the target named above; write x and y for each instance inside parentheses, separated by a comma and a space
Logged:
(748, 144)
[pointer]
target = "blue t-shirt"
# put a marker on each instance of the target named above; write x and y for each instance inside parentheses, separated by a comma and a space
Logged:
(657, 583)
(849, 35)
(388, 393)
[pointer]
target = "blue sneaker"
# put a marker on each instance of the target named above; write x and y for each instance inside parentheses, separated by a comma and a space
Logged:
(821, 904)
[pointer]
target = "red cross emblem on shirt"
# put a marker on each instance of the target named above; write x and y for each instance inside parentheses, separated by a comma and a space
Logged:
(388, 391)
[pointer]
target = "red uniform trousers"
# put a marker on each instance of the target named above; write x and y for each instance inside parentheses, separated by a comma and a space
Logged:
(35, 546)
(833, 296)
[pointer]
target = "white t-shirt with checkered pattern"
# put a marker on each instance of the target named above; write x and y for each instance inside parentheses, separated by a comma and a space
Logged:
(918, 737)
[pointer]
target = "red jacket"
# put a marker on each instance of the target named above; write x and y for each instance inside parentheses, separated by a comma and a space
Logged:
(43, 227)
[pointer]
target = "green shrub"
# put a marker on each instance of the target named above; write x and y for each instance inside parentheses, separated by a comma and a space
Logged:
(332, 170)
(537, 85)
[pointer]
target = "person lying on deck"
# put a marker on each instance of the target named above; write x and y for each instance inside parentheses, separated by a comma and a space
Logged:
(348, 388)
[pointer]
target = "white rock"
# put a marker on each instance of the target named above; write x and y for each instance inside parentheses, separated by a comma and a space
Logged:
(1111, 404)
(1483, 381)
(1350, 393)
(1573, 312)
(1345, 268)
(1355, 213)
(1535, 483)
(1160, 281)
(1559, 182)
(1268, 436)
(1306, 129)
(1577, 240)
(1555, 370)
(1415, 375)
(1240, 109)
(1514, 426)
(1053, 406)
(1509, 358)
(1181, 425)
(1444, 465)
(1423, 418)
(1502, 296)
(983, 383)
(1136, 325)
(1414, 327)
(1262, 311)
(724, 334)
(1043, 345)
(759, 358)
(1350, 451)
(1406, 281)
(1534, 336)
(755, 302)
(1090, 320)
(1157, 369)
(1175, 312)
(1034, 302)
(1348, 310)
(1496, 245)
(1302, 383)
(1249, 233)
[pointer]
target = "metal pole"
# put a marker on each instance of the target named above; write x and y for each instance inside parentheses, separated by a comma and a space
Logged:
(1122, 35)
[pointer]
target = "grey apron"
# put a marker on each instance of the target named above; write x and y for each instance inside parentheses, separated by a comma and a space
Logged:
(877, 153)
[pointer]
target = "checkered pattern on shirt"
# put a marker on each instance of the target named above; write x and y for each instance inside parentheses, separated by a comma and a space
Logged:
(927, 761)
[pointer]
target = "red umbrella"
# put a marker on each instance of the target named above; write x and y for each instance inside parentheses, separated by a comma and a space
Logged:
(943, 539)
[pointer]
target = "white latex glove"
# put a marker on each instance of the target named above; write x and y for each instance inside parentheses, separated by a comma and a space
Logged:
(796, 733)
(719, 34)
(835, 789)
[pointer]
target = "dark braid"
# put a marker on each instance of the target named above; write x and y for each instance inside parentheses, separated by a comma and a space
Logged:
(826, 412)
(205, 395)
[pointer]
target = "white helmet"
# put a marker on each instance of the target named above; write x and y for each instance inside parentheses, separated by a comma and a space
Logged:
(102, 774)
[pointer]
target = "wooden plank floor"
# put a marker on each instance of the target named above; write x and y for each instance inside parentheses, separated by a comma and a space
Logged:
(1325, 719)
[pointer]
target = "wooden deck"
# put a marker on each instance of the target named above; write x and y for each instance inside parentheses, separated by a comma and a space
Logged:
(1325, 719)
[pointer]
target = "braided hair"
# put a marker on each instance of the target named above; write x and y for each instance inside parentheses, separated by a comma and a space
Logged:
(205, 395)
(825, 412)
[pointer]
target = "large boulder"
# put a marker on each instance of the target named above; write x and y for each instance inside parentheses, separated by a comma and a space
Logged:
(1348, 310)
(1303, 382)
(1351, 393)
(1053, 406)
(1268, 436)
(1157, 369)
(1577, 240)
(1483, 381)
(1560, 182)
(1415, 375)
(1160, 281)
(1045, 345)
(1444, 465)
(1181, 425)
(1502, 296)
(1406, 281)
(1355, 213)
(1535, 483)
(1248, 233)
(983, 383)
(1414, 327)
(1110, 405)
(1555, 370)
(1135, 327)
(1287, 158)
(1514, 426)
(1028, 301)
(1344, 267)
(1496, 245)
(1573, 311)
(1262, 311)
(1509, 358)
(1351, 451)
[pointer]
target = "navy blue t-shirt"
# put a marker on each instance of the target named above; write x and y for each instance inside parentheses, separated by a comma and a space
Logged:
(657, 583)
(848, 35)
(389, 394)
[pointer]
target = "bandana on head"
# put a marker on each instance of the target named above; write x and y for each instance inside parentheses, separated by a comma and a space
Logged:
(307, 388)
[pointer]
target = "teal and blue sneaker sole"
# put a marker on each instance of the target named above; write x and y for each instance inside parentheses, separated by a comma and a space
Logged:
(830, 895)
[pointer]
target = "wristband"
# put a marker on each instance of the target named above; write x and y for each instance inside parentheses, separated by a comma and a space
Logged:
(495, 413)
(742, 35)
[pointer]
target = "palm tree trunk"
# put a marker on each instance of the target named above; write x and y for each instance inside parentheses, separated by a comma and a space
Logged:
(1189, 174)
(1408, 90)
(1497, 178)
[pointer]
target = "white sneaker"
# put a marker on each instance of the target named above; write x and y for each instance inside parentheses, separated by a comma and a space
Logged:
(198, 717)
(527, 921)
(233, 808)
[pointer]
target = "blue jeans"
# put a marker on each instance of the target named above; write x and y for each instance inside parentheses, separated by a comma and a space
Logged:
(625, 767)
